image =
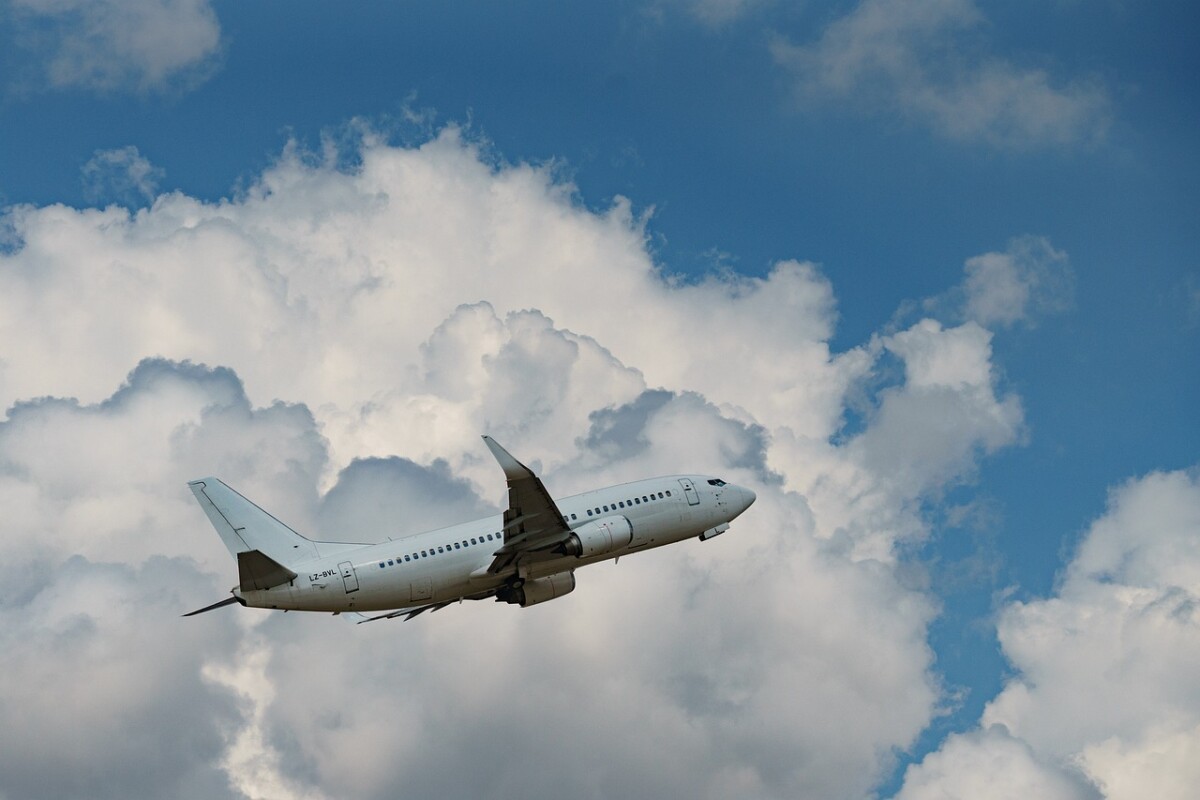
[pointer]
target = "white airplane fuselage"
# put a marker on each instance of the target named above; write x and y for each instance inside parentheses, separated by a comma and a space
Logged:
(450, 563)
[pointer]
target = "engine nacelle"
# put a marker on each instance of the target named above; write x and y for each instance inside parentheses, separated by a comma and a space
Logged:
(539, 590)
(599, 537)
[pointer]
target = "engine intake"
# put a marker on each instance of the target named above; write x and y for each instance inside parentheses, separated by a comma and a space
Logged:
(599, 537)
(538, 590)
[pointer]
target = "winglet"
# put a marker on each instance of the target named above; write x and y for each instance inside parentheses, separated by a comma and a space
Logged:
(513, 469)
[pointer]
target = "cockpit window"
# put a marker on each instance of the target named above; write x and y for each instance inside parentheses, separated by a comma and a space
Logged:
(715, 482)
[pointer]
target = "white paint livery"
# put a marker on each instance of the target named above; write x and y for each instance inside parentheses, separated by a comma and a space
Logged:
(526, 556)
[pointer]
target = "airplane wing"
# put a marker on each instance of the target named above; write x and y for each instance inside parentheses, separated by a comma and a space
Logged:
(533, 525)
(409, 613)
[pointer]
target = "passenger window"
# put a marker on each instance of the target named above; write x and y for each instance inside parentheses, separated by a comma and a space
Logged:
(668, 492)
(573, 516)
(622, 504)
(391, 563)
(381, 565)
(441, 549)
(406, 558)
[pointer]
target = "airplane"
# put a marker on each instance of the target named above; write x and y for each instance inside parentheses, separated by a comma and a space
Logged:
(524, 557)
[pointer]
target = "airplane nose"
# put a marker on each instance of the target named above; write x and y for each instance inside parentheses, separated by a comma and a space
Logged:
(746, 498)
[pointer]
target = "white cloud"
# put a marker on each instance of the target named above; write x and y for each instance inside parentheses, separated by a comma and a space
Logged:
(310, 284)
(925, 434)
(111, 45)
(1028, 280)
(121, 175)
(989, 765)
(1106, 681)
(922, 437)
(912, 58)
(395, 312)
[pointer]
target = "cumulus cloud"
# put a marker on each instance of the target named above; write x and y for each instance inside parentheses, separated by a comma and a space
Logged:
(1105, 684)
(989, 765)
(923, 435)
(673, 650)
(309, 283)
(913, 58)
(103, 693)
(108, 45)
(368, 324)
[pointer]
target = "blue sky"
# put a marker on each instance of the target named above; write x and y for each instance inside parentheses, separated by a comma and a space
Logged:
(887, 143)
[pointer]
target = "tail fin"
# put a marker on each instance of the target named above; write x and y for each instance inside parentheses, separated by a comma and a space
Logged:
(245, 527)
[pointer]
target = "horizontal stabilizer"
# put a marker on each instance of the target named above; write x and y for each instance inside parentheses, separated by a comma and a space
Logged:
(257, 570)
(227, 601)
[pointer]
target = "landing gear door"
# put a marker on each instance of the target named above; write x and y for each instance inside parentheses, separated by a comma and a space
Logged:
(689, 491)
(348, 576)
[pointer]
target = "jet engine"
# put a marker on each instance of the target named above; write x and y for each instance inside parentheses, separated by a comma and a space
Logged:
(599, 537)
(539, 590)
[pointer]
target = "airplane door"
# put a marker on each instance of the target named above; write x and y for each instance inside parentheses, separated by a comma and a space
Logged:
(689, 491)
(349, 577)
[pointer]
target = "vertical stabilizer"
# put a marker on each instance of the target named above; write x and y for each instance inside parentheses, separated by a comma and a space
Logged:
(243, 526)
